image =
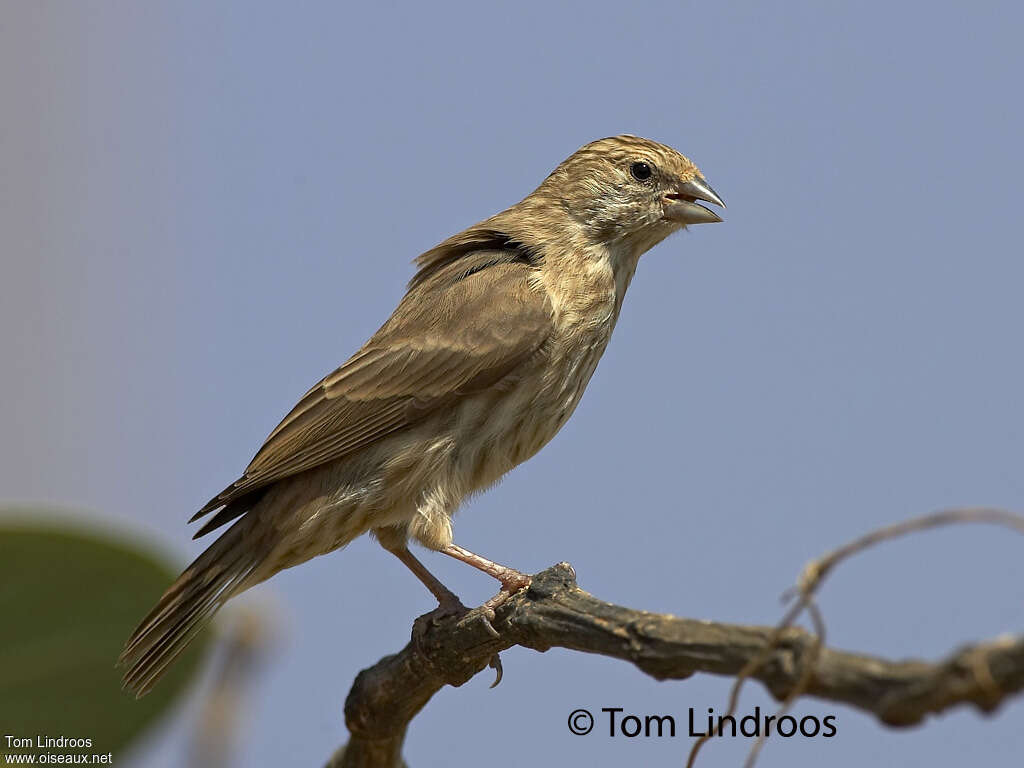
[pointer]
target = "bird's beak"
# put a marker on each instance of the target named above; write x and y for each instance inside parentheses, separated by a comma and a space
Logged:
(681, 205)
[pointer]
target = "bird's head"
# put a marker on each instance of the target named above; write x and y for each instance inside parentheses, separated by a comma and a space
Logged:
(622, 195)
(627, 188)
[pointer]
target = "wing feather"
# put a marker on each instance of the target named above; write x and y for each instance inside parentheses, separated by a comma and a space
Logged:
(461, 331)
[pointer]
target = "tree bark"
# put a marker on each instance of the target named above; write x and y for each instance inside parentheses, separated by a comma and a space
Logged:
(555, 612)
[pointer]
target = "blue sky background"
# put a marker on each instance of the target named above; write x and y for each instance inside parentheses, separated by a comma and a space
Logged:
(206, 207)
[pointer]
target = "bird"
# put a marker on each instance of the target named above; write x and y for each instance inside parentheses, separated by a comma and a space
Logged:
(483, 361)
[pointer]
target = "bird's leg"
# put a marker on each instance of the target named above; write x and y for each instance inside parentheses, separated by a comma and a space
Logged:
(448, 601)
(511, 579)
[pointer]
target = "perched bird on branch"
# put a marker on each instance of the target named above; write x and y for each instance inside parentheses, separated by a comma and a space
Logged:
(483, 361)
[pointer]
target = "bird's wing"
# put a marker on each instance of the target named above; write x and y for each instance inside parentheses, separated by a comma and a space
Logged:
(459, 333)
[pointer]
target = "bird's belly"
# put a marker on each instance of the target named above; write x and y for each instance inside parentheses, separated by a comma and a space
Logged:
(506, 428)
(418, 478)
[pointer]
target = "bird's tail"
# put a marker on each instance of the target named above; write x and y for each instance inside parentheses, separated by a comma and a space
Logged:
(188, 605)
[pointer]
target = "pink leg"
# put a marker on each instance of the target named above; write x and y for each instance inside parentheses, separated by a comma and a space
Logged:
(511, 580)
(447, 600)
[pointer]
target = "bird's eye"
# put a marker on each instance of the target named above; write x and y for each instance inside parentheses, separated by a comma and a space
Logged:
(641, 171)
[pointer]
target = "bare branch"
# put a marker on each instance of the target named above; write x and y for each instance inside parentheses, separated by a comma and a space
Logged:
(555, 612)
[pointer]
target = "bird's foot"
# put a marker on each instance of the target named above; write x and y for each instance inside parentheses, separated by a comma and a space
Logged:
(448, 608)
(449, 605)
(512, 581)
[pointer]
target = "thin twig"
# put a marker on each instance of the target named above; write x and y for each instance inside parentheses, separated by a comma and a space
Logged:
(814, 575)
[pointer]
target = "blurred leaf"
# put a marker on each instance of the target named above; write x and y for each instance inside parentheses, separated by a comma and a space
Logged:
(69, 598)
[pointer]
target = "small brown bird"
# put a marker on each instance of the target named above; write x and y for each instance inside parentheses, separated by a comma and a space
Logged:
(483, 361)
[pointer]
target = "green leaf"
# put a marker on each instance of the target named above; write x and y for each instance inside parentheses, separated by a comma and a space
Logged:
(69, 598)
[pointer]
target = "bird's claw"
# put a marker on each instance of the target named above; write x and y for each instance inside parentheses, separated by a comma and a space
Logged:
(486, 614)
(495, 664)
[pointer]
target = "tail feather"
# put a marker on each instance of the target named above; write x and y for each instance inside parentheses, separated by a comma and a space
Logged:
(187, 606)
(228, 513)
